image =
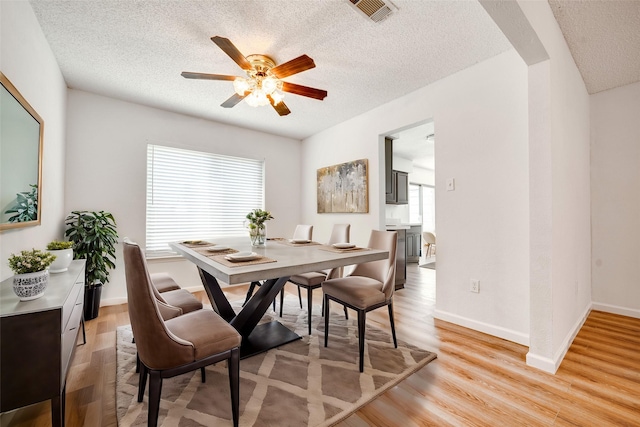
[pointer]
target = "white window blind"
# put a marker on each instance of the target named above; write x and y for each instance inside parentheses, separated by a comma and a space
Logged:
(195, 195)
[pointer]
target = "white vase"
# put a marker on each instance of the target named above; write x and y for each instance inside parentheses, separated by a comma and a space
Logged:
(30, 286)
(62, 261)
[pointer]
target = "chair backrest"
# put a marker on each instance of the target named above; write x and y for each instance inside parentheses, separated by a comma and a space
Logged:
(385, 269)
(428, 237)
(303, 232)
(340, 233)
(157, 347)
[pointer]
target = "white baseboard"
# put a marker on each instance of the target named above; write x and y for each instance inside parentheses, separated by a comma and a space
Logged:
(496, 331)
(615, 309)
(112, 301)
(551, 365)
(543, 363)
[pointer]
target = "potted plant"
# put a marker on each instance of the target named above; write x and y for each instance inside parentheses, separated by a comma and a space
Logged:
(64, 255)
(31, 274)
(94, 238)
(257, 226)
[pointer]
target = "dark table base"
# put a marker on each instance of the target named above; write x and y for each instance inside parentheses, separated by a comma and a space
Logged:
(265, 337)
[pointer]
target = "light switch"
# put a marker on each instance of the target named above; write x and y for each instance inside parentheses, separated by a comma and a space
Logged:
(451, 184)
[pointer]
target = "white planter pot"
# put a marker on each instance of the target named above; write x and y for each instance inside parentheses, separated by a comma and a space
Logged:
(30, 286)
(63, 260)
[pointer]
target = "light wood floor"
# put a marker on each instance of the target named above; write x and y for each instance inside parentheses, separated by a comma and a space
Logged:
(477, 380)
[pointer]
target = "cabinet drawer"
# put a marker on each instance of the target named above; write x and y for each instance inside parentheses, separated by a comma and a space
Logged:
(70, 336)
(76, 294)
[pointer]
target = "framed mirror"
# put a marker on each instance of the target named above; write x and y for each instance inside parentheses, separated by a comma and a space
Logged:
(21, 138)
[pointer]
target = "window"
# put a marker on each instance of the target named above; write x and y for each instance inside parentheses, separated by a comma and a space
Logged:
(422, 206)
(194, 195)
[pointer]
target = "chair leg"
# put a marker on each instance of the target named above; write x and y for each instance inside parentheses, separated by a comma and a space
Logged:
(326, 319)
(346, 313)
(393, 326)
(137, 363)
(234, 384)
(361, 322)
(155, 388)
(203, 374)
(281, 301)
(309, 306)
(299, 296)
(142, 381)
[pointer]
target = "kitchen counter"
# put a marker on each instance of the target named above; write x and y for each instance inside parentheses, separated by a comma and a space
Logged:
(402, 226)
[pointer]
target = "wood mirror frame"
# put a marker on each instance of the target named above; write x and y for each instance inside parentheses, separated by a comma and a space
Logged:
(21, 140)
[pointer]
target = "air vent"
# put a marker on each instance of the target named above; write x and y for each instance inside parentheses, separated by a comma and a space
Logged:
(376, 10)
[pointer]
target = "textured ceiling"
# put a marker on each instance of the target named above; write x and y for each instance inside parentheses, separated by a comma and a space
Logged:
(136, 50)
(604, 39)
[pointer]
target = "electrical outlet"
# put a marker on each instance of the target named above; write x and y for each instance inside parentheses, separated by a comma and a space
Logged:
(475, 285)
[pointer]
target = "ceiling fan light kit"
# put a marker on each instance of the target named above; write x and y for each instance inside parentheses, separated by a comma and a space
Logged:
(260, 84)
(263, 84)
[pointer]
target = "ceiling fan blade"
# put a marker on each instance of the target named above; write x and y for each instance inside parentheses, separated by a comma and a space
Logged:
(280, 107)
(295, 66)
(304, 90)
(189, 75)
(231, 102)
(232, 51)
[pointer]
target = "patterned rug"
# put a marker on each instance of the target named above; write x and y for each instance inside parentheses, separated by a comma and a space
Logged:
(299, 384)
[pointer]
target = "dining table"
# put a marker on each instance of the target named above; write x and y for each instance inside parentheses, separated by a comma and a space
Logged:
(271, 265)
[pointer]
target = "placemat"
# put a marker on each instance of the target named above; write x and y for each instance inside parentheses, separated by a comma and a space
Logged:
(332, 249)
(221, 259)
(210, 254)
(202, 244)
(289, 243)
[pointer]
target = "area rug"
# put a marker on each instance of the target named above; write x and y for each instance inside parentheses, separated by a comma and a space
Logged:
(299, 384)
(429, 265)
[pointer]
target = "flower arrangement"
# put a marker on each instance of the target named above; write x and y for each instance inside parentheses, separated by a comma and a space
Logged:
(30, 261)
(257, 218)
(257, 227)
(58, 245)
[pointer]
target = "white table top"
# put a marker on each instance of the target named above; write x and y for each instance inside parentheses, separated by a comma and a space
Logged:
(290, 260)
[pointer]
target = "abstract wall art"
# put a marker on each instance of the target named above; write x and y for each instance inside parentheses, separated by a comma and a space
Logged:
(344, 188)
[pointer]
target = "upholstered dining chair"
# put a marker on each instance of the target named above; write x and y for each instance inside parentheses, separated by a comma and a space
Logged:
(302, 232)
(163, 282)
(368, 287)
(178, 345)
(172, 300)
(313, 280)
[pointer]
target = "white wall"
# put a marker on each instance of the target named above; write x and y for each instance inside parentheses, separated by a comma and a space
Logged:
(481, 117)
(559, 138)
(106, 168)
(27, 61)
(615, 200)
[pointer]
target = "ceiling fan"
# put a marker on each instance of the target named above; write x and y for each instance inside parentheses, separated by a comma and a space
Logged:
(264, 84)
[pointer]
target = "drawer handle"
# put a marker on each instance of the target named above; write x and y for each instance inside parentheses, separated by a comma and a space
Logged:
(72, 328)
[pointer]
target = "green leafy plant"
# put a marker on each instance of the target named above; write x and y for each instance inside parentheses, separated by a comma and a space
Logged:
(30, 261)
(58, 245)
(94, 237)
(258, 217)
(26, 206)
